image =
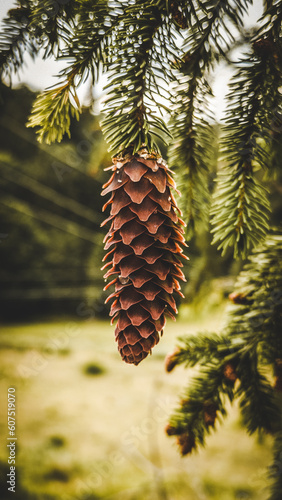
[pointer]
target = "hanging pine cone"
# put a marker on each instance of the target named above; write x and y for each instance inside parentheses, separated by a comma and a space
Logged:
(144, 244)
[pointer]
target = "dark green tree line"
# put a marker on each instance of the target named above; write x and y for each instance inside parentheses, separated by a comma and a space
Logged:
(50, 207)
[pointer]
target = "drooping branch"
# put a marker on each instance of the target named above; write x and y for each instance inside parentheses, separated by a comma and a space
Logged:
(240, 209)
(86, 51)
(192, 151)
(134, 88)
(233, 364)
(15, 40)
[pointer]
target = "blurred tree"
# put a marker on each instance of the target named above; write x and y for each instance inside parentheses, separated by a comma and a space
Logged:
(155, 51)
(50, 215)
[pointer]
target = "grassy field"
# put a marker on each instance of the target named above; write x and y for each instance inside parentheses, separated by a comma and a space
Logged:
(91, 427)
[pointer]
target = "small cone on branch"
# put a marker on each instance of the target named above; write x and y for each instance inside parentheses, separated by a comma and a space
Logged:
(171, 431)
(238, 298)
(144, 243)
(186, 443)
(185, 440)
(171, 360)
(210, 411)
(229, 372)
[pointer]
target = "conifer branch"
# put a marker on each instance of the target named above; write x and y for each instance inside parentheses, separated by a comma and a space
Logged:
(275, 470)
(133, 89)
(233, 364)
(191, 152)
(87, 52)
(52, 24)
(32, 26)
(240, 211)
(203, 402)
(92, 45)
(254, 106)
(257, 402)
(52, 112)
(15, 40)
(198, 349)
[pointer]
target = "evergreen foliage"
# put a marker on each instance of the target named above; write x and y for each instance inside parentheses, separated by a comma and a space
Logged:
(15, 40)
(240, 363)
(156, 52)
(50, 212)
(254, 103)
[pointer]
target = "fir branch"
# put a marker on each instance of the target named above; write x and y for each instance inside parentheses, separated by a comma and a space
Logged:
(201, 405)
(15, 39)
(86, 51)
(130, 120)
(239, 212)
(231, 365)
(257, 323)
(92, 45)
(32, 26)
(257, 403)
(259, 286)
(52, 24)
(275, 470)
(191, 151)
(254, 107)
(200, 349)
(52, 112)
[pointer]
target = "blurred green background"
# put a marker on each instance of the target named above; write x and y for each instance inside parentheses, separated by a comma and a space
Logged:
(89, 426)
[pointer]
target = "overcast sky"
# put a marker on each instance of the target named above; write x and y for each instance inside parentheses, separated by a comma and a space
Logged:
(40, 74)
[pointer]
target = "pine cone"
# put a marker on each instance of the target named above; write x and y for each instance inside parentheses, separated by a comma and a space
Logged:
(186, 443)
(144, 241)
(171, 431)
(239, 298)
(210, 411)
(229, 371)
(171, 360)
(185, 440)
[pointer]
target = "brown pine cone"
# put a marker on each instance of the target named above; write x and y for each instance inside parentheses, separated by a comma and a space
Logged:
(186, 443)
(185, 440)
(210, 412)
(229, 371)
(171, 431)
(238, 298)
(144, 243)
(171, 360)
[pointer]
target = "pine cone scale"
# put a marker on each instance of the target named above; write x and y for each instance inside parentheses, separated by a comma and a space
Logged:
(118, 202)
(141, 244)
(135, 170)
(138, 195)
(144, 211)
